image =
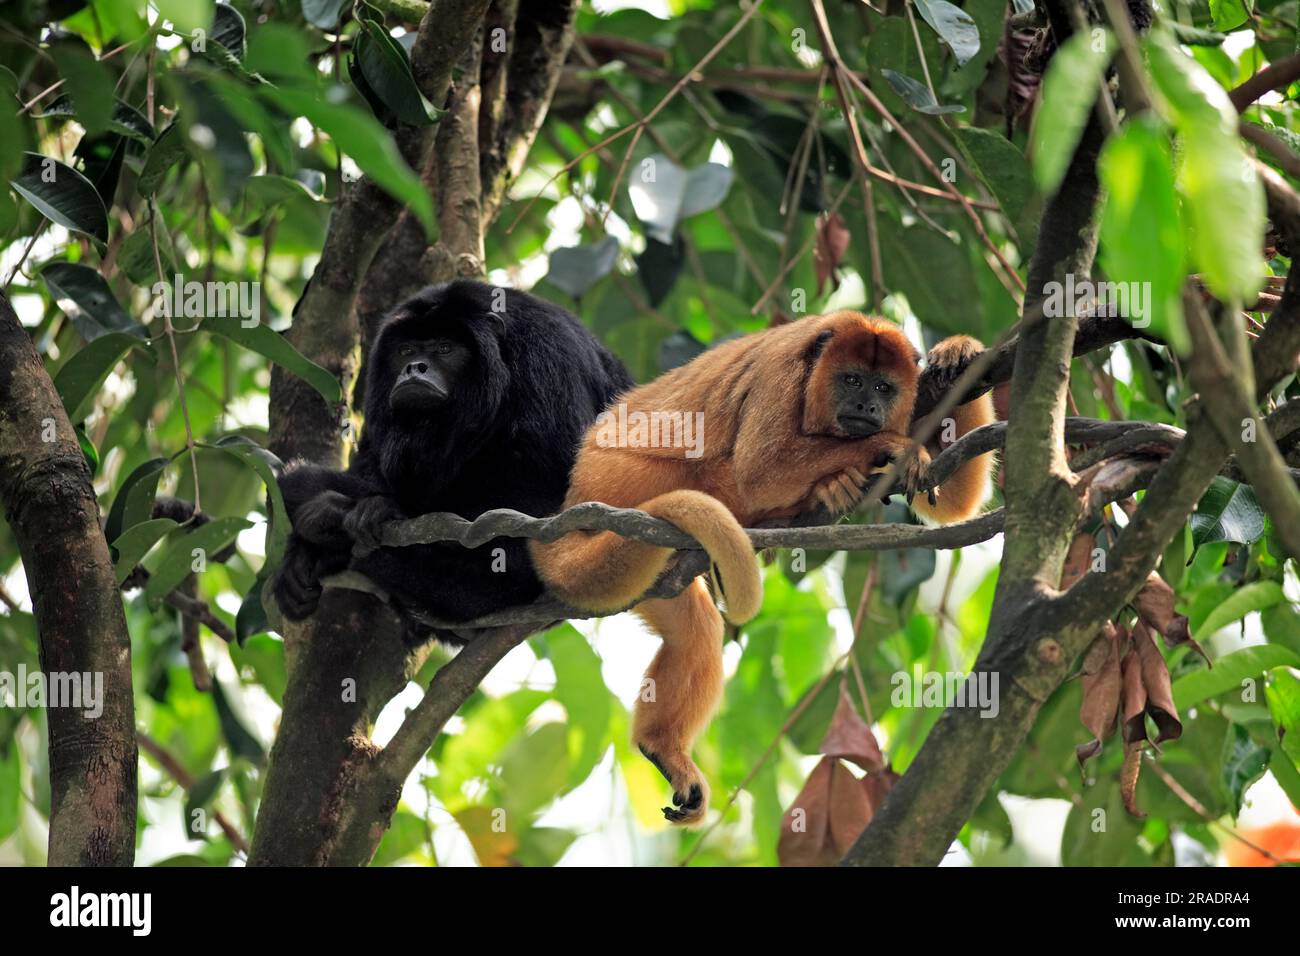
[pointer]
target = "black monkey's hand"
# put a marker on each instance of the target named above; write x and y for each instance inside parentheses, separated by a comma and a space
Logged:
(320, 520)
(297, 583)
(365, 522)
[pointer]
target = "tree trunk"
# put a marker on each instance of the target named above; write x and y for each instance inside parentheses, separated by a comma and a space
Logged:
(50, 504)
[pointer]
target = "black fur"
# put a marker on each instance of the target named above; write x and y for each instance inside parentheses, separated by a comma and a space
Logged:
(506, 439)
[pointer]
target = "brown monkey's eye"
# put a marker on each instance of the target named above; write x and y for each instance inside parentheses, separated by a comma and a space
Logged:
(853, 381)
(884, 388)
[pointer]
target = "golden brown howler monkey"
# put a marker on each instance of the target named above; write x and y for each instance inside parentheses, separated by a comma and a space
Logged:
(766, 426)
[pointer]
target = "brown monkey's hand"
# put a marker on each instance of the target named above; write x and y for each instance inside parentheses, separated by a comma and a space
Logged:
(841, 493)
(949, 359)
(914, 474)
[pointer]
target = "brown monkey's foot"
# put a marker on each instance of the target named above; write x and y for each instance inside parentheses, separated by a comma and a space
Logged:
(841, 493)
(690, 791)
(950, 358)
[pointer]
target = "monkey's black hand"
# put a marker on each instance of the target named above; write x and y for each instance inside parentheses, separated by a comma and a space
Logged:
(297, 584)
(365, 522)
(321, 520)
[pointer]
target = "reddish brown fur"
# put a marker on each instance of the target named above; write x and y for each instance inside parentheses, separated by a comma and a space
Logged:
(771, 449)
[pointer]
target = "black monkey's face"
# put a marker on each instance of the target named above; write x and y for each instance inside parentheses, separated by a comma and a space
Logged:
(425, 372)
(864, 400)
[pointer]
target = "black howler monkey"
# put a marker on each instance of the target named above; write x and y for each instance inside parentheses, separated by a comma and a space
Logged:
(477, 397)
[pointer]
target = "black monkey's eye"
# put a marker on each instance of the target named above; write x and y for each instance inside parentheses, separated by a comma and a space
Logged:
(443, 348)
(853, 381)
(407, 349)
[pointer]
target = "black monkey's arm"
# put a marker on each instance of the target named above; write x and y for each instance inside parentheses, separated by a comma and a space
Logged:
(319, 501)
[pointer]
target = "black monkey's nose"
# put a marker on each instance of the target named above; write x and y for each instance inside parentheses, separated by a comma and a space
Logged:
(417, 368)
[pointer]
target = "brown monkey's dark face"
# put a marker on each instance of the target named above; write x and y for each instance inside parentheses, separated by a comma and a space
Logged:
(424, 373)
(863, 400)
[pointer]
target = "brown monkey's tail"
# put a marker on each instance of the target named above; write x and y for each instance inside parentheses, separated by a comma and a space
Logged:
(603, 571)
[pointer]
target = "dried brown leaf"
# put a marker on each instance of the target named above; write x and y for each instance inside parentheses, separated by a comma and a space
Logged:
(1155, 605)
(1077, 559)
(850, 737)
(1134, 694)
(832, 243)
(1155, 680)
(1101, 682)
(805, 828)
(851, 809)
(1128, 779)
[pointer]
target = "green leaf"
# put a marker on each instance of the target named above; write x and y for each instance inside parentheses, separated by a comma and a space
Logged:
(88, 449)
(1230, 671)
(242, 743)
(576, 269)
(1244, 600)
(360, 136)
(1287, 775)
(1282, 626)
(252, 618)
(89, 84)
(9, 791)
(1222, 193)
(199, 796)
(534, 768)
(267, 465)
(229, 29)
(1244, 762)
(1228, 511)
(322, 13)
(1070, 87)
(580, 687)
(1230, 14)
(1098, 831)
(274, 346)
(918, 96)
(132, 545)
(664, 193)
(86, 299)
(176, 561)
(1282, 692)
(187, 15)
(136, 260)
(954, 25)
(79, 380)
(165, 153)
(135, 496)
(913, 257)
(1000, 165)
(1141, 226)
(386, 70)
(62, 195)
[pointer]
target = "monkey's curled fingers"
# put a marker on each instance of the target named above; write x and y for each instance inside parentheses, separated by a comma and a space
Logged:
(365, 522)
(843, 492)
(914, 474)
(297, 583)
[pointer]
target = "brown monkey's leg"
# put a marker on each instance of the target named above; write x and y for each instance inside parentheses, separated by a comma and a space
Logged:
(682, 690)
(966, 490)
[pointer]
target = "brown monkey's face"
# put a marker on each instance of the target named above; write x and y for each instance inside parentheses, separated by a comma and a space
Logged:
(424, 373)
(863, 401)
